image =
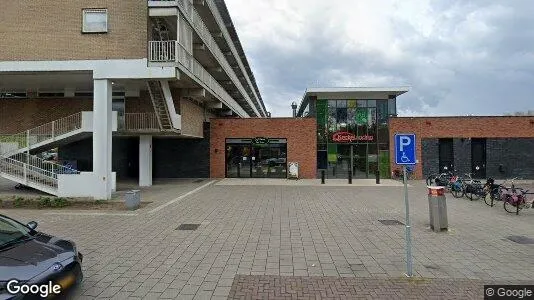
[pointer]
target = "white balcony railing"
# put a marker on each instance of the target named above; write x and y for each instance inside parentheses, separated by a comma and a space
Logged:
(188, 62)
(202, 30)
(162, 51)
(140, 122)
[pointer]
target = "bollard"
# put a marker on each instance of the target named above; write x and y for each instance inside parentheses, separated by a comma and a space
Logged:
(350, 176)
(377, 174)
(437, 208)
(322, 176)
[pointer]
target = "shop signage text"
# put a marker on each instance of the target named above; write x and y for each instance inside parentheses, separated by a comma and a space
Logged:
(347, 137)
(260, 140)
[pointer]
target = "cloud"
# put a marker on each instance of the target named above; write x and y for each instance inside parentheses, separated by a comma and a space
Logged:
(459, 56)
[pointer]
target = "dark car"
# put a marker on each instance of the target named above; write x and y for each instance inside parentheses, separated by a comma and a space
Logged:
(32, 258)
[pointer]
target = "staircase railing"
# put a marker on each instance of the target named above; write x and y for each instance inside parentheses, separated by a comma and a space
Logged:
(140, 122)
(42, 133)
(31, 169)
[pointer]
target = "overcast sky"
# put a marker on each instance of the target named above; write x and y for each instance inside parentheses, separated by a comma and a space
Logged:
(458, 56)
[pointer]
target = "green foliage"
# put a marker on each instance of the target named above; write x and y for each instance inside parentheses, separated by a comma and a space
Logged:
(44, 202)
(19, 202)
(60, 202)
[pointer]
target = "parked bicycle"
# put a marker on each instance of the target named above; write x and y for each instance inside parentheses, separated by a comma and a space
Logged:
(441, 179)
(515, 200)
(496, 192)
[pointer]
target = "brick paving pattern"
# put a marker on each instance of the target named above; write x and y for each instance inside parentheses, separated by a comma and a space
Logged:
(286, 231)
(293, 287)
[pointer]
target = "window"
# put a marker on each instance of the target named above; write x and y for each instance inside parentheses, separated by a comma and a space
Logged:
(95, 21)
(50, 94)
(13, 95)
(392, 108)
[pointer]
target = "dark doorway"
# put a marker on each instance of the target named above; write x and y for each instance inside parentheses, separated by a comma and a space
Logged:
(446, 155)
(478, 158)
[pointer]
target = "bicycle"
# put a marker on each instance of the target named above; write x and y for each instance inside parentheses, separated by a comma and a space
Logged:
(516, 201)
(441, 179)
(496, 192)
(466, 187)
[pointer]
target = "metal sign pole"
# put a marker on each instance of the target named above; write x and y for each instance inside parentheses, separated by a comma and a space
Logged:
(408, 228)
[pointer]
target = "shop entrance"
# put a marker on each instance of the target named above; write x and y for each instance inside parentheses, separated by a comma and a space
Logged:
(355, 156)
(256, 158)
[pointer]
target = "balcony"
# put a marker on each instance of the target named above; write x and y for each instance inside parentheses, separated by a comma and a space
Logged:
(173, 52)
(138, 123)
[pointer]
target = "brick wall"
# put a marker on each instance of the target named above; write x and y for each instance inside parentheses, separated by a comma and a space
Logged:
(458, 127)
(17, 115)
(51, 30)
(301, 135)
(192, 118)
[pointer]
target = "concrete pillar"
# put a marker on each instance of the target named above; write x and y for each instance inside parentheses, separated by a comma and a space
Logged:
(145, 160)
(102, 134)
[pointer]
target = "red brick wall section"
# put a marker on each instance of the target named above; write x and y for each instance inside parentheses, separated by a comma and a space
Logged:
(301, 135)
(458, 127)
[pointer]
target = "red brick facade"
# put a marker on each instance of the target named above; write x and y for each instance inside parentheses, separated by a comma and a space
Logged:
(301, 135)
(458, 127)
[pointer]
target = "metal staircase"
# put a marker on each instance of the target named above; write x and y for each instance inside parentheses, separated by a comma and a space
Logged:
(18, 165)
(33, 171)
(157, 95)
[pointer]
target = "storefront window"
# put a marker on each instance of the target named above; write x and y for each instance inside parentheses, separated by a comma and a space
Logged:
(382, 111)
(366, 121)
(392, 107)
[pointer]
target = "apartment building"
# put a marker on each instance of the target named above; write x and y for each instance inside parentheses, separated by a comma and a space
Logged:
(120, 88)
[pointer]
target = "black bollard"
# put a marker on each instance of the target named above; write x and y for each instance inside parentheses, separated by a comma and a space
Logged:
(377, 176)
(350, 176)
(322, 176)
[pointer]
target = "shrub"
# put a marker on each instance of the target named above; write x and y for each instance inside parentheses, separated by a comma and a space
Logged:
(44, 202)
(18, 202)
(60, 202)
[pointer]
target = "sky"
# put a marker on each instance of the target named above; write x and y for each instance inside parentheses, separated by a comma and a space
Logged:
(459, 57)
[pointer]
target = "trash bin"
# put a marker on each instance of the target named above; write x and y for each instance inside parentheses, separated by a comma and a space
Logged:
(133, 199)
(437, 208)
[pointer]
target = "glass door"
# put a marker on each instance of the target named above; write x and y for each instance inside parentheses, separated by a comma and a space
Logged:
(343, 161)
(238, 161)
(269, 161)
(360, 168)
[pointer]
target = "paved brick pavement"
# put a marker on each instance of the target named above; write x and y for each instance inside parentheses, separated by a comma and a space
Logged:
(294, 287)
(287, 231)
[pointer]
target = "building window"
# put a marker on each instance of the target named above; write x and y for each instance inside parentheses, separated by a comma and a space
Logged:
(13, 95)
(95, 21)
(50, 94)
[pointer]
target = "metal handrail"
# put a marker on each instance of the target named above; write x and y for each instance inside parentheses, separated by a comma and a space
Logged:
(140, 122)
(43, 132)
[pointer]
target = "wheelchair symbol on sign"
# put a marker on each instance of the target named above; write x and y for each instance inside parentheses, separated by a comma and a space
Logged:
(404, 158)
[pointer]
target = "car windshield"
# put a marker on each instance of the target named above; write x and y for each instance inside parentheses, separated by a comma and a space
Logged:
(12, 231)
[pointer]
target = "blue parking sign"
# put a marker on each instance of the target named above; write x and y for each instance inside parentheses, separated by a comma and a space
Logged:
(405, 149)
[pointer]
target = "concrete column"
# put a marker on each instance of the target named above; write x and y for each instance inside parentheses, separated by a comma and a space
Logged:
(145, 160)
(102, 133)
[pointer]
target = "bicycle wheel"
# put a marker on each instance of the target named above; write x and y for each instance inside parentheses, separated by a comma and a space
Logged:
(489, 200)
(457, 191)
(430, 180)
(510, 207)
